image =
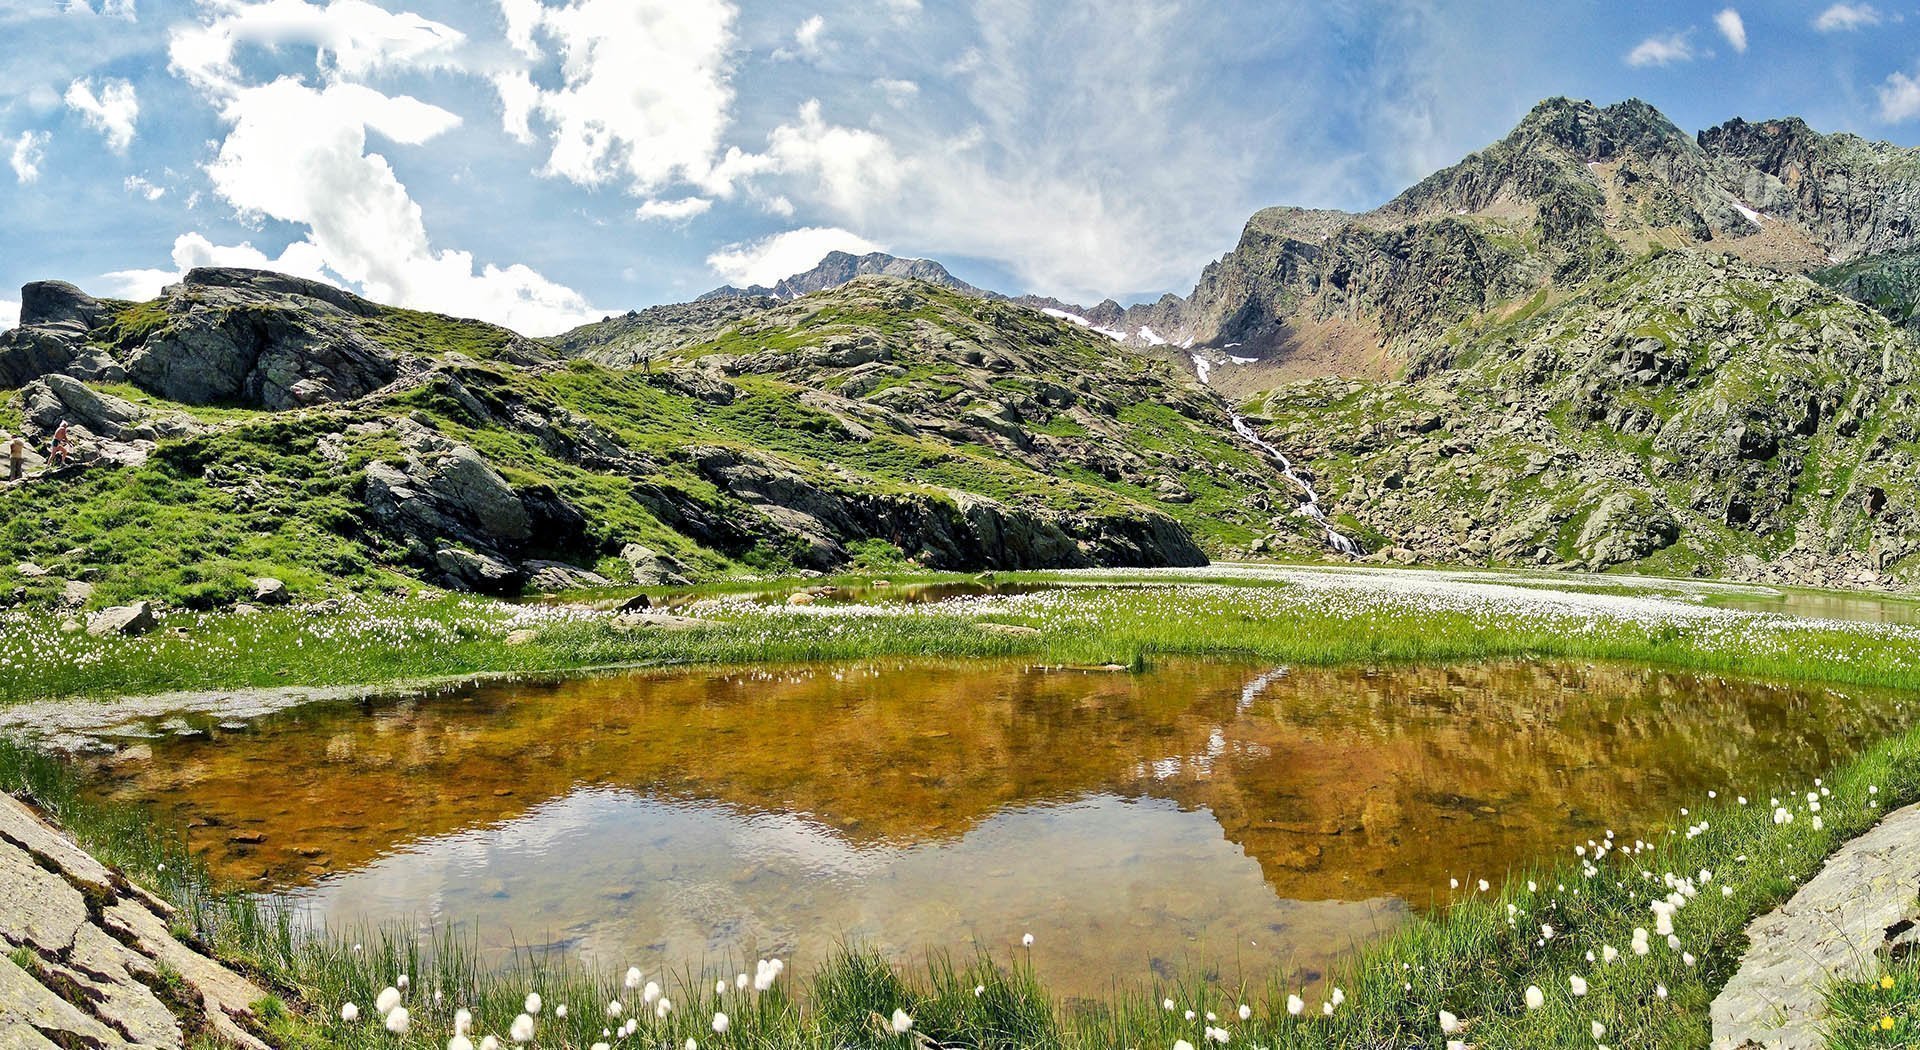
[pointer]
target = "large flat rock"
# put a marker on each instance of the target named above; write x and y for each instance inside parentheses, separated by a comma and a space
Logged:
(1832, 930)
(92, 945)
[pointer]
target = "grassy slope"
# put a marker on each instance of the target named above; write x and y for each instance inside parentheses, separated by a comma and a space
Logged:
(257, 497)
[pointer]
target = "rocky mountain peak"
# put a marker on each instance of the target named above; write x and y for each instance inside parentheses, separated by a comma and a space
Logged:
(837, 268)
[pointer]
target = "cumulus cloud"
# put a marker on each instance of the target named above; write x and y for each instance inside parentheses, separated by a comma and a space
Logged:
(9, 314)
(902, 10)
(112, 109)
(1663, 50)
(769, 259)
(673, 210)
(300, 153)
(1841, 18)
(1733, 27)
(28, 151)
(351, 38)
(645, 97)
(1899, 98)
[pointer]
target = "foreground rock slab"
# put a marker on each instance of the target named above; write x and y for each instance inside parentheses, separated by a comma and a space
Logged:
(1830, 931)
(89, 959)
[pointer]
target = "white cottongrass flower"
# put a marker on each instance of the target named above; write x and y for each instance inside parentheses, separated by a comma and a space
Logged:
(1167, 1005)
(719, 987)
(1599, 1031)
(1295, 1005)
(1182, 1044)
(721, 1024)
(690, 1044)
(899, 1022)
(349, 1013)
(521, 1030)
(404, 982)
(979, 990)
(651, 993)
(740, 982)
(1449, 1024)
(459, 1042)
(389, 998)
(614, 1009)
(633, 978)
(1483, 885)
(489, 1043)
(662, 1008)
(1218, 1035)
(398, 1021)
(1246, 1011)
(560, 1011)
(533, 1003)
(1026, 940)
(1608, 953)
(1660, 990)
(1189, 1015)
(1578, 984)
(1535, 997)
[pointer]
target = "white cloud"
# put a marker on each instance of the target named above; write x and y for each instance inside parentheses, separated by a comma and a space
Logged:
(1733, 27)
(807, 36)
(9, 314)
(901, 10)
(113, 109)
(645, 97)
(1842, 18)
(845, 166)
(299, 155)
(1663, 50)
(28, 151)
(898, 92)
(351, 38)
(141, 186)
(1899, 98)
(110, 8)
(769, 259)
(673, 210)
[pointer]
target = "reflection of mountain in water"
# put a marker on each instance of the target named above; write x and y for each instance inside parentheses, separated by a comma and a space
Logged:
(1340, 783)
(1108, 886)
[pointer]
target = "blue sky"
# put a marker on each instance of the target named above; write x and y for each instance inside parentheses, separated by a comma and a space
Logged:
(543, 162)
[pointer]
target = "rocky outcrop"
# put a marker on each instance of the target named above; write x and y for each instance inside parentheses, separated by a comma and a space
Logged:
(90, 959)
(271, 343)
(1833, 930)
(456, 515)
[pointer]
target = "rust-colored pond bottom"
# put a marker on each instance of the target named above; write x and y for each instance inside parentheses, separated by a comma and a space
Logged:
(1243, 822)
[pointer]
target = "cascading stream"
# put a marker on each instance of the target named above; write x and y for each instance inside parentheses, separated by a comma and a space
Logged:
(1311, 508)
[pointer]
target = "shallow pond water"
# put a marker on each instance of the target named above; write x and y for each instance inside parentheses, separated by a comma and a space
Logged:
(1213, 817)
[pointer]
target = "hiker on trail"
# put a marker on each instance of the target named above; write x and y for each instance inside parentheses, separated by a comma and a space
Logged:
(16, 457)
(62, 451)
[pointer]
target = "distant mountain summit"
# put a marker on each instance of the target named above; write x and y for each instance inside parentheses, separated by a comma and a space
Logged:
(837, 268)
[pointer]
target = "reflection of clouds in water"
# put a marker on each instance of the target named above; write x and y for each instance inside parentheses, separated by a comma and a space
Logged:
(1108, 885)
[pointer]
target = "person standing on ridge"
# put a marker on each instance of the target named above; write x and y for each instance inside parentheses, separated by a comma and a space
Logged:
(16, 457)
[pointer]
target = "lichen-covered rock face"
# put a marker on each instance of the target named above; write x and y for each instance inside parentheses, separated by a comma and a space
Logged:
(85, 951)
